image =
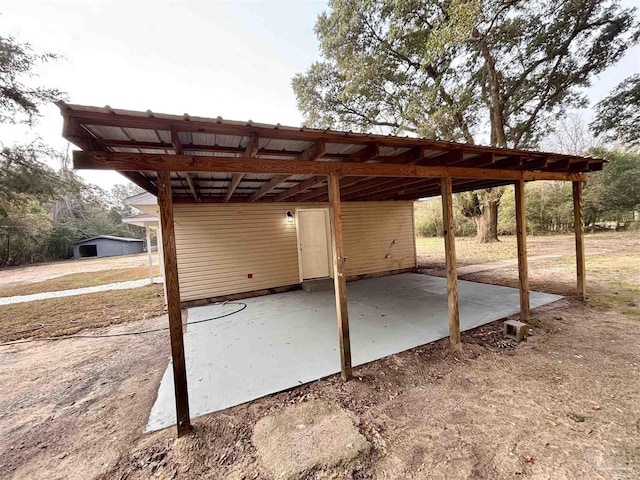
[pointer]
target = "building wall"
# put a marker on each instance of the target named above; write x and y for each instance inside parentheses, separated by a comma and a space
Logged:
(110, 248)
(219, 245)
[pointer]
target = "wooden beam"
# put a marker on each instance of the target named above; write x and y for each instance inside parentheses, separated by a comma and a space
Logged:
(312, 153)
(578, 227)
(267, 187)
(142, 181)
(165, 204)
(521, 234)
(249, 152)
(301, 187)
(194, 163)
(192, 187)
(450, 261)
(339, 278)
(175, 142)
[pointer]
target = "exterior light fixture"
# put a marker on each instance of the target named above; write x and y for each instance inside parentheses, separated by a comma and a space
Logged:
(289, 216)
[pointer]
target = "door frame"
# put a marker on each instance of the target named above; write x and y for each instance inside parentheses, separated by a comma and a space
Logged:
(328, 231)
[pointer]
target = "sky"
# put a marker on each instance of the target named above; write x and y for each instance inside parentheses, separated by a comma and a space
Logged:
(206, 58)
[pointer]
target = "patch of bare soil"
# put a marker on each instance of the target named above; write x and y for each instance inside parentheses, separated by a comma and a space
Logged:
(71, 409)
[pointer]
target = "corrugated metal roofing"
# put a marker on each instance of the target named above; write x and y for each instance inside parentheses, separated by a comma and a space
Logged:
(147, 132)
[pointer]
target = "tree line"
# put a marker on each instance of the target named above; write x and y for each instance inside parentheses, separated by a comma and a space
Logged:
(611, 200)
(44, 211)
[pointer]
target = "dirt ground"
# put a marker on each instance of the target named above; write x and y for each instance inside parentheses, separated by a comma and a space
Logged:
(13, 276)
(562, 405)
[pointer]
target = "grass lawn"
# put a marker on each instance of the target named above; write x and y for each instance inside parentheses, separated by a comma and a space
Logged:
(468, 250)
(79, 280)
(64, 316)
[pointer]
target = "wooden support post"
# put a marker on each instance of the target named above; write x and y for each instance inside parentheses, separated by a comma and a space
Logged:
(147, 231)
(578, 227)
(165, 202)
(521, 234)
(339, 279)
(450, 257)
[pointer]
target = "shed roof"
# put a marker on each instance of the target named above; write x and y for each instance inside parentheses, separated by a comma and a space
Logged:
(109, 237)
(151, 138)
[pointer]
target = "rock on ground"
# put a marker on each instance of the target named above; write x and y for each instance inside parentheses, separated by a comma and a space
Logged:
(305, 437)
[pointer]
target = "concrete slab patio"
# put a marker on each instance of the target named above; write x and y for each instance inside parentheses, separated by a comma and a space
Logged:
(287, 339)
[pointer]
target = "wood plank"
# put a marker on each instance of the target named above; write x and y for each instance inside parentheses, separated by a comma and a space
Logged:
(521, 235)
(312, 153)
(192, 187)
(165, 204)
(250, 152)
(175, 142)
(267, 187)
(301, 187)
(142, 181)
(339, 278)
(194, 163)
(450, 261)
(578, 227)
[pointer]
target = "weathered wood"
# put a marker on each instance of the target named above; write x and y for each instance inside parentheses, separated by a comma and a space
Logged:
(339, 279)
(578, 227)
(165, 204)
(521, 235)
(450, 261)
(195, 163)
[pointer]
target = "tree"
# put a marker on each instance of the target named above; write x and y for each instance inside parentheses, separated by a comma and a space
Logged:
(493, 71)
(23, 172)
(614, 193)
(618, 115)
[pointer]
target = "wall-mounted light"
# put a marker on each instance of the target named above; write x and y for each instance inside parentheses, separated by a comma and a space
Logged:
(289, 216)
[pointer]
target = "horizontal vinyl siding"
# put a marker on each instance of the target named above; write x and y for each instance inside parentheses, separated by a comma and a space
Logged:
(373, 231)
(218, 245)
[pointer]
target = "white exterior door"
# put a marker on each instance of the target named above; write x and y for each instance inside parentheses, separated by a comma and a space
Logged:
(313, 243)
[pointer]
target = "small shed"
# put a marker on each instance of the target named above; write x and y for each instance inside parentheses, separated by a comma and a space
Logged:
(107, 246)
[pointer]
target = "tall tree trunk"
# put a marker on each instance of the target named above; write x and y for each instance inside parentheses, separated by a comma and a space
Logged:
(487, 222)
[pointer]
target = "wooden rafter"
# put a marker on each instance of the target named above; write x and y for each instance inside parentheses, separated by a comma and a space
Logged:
(301, 187)
(250, 152)
(311, 154)
(192, 187)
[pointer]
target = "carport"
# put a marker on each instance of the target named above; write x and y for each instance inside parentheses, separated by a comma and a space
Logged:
(315, 166)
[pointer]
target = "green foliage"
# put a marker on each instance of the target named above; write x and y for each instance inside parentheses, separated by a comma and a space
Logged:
(438, 68)
(19, 102)
(428, 219)
(614, 193)
(618, 115)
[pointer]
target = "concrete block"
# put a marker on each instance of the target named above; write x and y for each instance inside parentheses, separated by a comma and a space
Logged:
(515, 330)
